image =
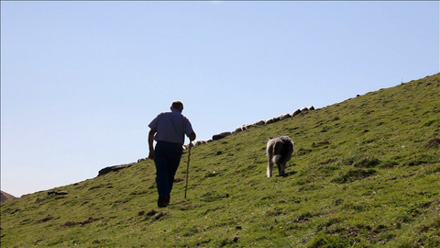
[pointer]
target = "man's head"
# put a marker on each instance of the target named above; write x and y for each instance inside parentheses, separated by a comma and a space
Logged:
(177, 105)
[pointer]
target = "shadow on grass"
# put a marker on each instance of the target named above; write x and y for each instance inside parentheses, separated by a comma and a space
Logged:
(288, 174)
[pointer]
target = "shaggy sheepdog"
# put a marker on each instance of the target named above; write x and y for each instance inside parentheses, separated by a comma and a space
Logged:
(279, 150)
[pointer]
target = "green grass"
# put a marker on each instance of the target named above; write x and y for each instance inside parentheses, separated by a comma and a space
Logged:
(362, 175)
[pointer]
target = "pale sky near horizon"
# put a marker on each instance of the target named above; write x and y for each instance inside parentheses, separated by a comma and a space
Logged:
(80, 81)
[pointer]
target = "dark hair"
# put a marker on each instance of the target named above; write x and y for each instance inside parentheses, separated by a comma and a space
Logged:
(177, 105)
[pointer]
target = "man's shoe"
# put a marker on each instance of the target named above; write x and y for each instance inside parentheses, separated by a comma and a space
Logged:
(163, 201)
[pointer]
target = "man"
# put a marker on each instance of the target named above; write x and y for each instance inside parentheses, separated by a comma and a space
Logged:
(169, 130)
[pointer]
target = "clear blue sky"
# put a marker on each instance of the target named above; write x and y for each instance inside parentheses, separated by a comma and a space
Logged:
(80, 81)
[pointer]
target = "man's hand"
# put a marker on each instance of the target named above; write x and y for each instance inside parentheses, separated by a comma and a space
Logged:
(192, 136)
(151, 155)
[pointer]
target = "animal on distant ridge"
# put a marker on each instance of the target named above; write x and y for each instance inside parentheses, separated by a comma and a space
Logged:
(279, 151)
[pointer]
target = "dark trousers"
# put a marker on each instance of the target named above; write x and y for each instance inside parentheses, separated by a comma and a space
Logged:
(167, 158)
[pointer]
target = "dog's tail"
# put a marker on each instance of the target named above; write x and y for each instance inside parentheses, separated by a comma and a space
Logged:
(276, 158)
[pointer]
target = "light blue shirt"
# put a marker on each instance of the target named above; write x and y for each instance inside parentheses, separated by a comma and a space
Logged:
(171, 127)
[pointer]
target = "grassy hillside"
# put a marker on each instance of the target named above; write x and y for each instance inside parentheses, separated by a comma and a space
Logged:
(365, 173)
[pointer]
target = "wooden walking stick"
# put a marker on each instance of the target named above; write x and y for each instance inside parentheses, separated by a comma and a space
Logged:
(187, 168)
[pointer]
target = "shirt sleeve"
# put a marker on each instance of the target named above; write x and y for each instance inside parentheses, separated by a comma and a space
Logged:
(153, 123)
(188, 127)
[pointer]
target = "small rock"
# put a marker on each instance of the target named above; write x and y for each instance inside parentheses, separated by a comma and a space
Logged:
(53, 192)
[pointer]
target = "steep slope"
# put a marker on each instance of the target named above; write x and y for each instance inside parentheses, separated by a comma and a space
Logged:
(365, 173)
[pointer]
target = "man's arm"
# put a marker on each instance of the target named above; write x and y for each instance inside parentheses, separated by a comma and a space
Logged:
(150, 143)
